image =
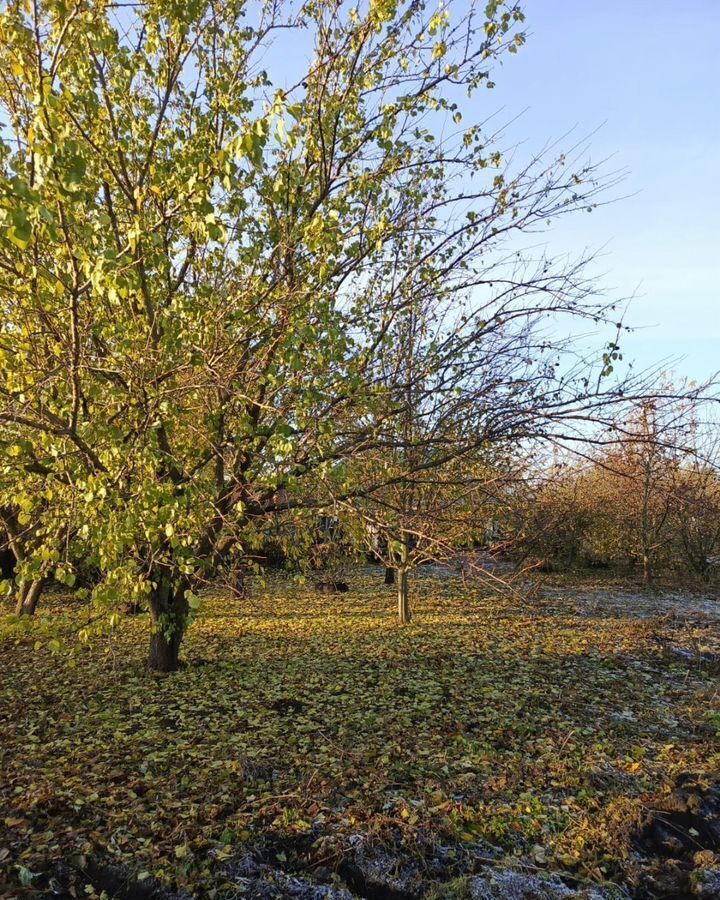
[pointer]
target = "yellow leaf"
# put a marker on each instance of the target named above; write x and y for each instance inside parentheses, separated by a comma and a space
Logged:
(20, 239)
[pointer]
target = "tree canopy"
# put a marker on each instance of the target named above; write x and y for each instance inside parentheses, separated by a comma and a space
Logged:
(208, 252)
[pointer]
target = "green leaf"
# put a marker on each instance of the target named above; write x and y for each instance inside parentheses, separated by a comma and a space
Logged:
(75, 172)
(20, 233)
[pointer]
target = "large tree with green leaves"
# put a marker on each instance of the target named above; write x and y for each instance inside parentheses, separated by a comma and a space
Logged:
(201, 211)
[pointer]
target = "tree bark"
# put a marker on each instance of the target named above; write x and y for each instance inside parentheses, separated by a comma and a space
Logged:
(404, 614)
(28, 598)
(647, 569)
(401, 577)
(389, 575)
(7, 561)
(169, 609)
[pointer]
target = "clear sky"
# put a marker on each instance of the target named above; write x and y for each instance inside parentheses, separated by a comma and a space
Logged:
(647, 73)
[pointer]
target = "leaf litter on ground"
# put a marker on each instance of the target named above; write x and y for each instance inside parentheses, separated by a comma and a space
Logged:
(309, 722)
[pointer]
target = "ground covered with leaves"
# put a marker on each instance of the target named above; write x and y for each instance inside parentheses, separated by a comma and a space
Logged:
(314, 732)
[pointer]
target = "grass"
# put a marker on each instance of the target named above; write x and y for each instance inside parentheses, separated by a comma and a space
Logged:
(539, 727)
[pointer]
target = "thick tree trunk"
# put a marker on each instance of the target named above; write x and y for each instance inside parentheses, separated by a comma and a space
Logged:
(28, 598)
(7, 561)
(404, 614)
(169, 609)
(389, 575)
(165, 651)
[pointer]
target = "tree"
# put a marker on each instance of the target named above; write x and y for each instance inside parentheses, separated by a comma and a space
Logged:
(20, 540)
(695, 511)
(423, 493)
(550, 511)
(696, 517)
(643, 491)
(197, 264)
(655, 439)
(35, 534)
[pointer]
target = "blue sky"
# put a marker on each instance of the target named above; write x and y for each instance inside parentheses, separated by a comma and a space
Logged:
(647, 73)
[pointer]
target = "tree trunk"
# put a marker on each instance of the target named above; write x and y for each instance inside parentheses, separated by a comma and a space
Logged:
(169, 609)
(404, 614)
(238, 587)
(647, 569)
(389, 575)
(7, 562)
(28, 598)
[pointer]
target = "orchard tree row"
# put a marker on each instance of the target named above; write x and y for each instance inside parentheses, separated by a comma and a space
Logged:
(646, 501)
